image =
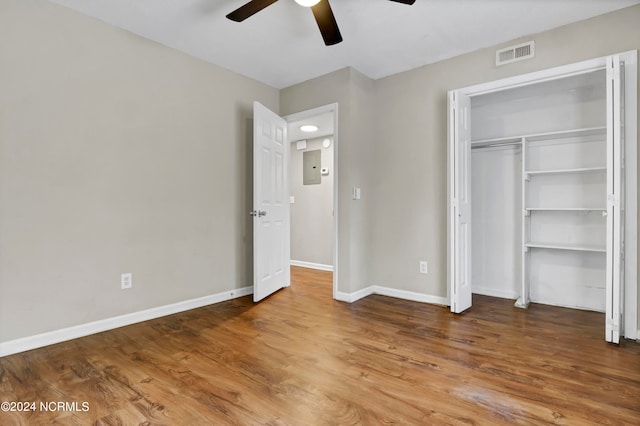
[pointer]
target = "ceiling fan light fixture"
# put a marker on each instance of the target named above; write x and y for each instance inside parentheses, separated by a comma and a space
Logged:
(307, 3)
(321, 9)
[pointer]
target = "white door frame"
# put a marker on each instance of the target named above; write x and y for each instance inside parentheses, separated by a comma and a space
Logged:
(615, 201)
(333, 109)
(630, 60)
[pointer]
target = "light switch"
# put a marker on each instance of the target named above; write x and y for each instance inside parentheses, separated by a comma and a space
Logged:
(356, 193)
(292, 199)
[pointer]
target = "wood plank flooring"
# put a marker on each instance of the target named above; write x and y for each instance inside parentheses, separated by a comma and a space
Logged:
(301, 358)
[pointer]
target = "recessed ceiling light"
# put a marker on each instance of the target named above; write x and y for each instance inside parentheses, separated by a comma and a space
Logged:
(309, 128)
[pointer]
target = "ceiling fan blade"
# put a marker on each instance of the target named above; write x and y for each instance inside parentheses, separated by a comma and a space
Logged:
(326, 23)
(249, 9)
(405, 1)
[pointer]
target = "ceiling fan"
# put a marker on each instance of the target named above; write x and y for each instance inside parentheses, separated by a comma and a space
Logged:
(320, 8)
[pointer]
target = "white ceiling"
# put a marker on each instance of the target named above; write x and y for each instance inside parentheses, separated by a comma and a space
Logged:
(281, 45)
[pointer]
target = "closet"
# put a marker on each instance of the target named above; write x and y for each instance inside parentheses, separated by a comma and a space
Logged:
(536, 189)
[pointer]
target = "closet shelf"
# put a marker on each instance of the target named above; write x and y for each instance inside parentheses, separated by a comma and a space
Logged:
(583, 132)
(566, 171)
(496, 141)
(566, 246)
(587, 131)
(568, 209)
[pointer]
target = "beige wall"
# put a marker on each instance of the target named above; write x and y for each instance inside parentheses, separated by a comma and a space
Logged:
(409, 209)
(117, 155)
(312, 210)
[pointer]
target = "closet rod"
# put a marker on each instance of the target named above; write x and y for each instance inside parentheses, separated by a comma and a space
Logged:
(495, 145)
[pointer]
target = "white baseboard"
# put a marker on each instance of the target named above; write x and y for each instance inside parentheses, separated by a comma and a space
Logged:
(391, 292)
(362, 293)
(56, 336)
(311, 265)
(353, 297)
(410, 295)
(495, 293)
(343, 297)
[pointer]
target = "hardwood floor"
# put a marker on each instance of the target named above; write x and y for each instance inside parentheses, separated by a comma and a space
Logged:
(301, 358)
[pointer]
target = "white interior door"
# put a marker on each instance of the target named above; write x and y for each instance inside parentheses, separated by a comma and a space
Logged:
(615, 201)
(459, 183)
(271, 245)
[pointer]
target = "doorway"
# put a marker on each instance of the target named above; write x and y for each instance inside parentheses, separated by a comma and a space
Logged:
(313, 182)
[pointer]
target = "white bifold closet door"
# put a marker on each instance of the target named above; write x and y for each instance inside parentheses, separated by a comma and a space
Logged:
(459, 186)
(615, 201)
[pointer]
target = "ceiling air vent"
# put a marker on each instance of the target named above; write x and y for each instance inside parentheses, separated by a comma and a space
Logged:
(515, 53)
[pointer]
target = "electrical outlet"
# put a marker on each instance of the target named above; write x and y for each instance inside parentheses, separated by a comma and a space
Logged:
(126, 281)
(423, 267)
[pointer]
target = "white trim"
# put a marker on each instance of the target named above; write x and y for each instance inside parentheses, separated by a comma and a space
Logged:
(56, 336)
(410, 295)
(362, 293)
(354, 297)
(333, 108)
(535, 77)
(311, 265)
(342, 297)
(631, 196)
(495, 293)
(392, 292)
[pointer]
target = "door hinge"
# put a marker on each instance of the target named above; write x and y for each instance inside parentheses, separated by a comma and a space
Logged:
(611, 325)
(613, 200)
(614, 71)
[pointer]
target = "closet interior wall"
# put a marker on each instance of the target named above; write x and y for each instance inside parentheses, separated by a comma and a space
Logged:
(538, 190)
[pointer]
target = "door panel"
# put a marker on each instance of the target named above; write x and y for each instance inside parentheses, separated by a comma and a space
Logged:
(460, 201)
(615, 201)
(271, 211)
